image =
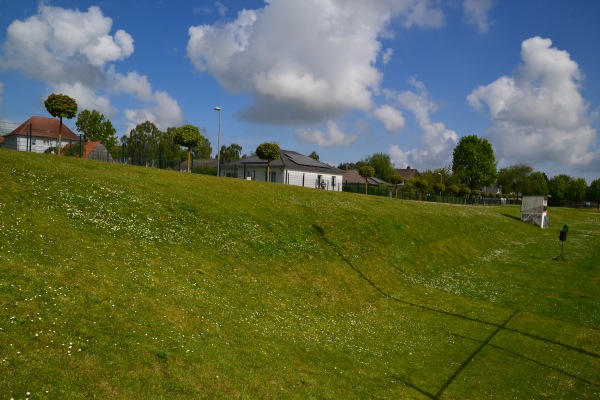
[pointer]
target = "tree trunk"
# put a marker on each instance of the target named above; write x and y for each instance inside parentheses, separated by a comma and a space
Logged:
(189, 151)
(59, 137)
(268, 171)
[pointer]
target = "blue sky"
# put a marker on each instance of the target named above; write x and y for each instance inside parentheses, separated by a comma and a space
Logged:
(343, 78)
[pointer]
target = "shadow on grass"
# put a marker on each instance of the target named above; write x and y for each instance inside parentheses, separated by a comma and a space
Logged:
(483, 344)
(511, 216)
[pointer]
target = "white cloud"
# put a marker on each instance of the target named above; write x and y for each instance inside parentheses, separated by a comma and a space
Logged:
(58, 45)
(167, 111)
(73, 52)
(333, 137)
(294, 74)
(1, 93)
(420, 13)
(87, 98)
(160, 108)
(392, 119)
(539, 114)
(476, 13)
(108, 49)
(221, 8)
(438, 141)
(133, 83)
(386, 57)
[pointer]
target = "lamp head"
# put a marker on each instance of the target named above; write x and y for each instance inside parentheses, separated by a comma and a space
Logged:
(217, 108)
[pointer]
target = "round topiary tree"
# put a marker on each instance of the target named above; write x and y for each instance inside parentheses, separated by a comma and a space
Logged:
(465, 192)
(366, 171)
(269, 152)
(188, 136)
(396, 180)
(421, 185)
(439, 187)
(60, 105)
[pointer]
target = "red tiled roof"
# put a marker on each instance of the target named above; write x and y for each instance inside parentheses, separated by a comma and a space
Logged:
(89, 147)
(44, 127)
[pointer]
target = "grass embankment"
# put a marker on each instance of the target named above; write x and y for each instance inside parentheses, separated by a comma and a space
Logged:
(127, 282)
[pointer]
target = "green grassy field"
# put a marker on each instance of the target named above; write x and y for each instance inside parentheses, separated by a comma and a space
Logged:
(134, 283)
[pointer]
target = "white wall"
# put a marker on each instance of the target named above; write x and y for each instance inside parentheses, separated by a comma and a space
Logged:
(21, 143)
(289, 177)
(311, 180)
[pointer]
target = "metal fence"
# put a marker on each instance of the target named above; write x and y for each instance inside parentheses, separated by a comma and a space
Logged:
(387, 191)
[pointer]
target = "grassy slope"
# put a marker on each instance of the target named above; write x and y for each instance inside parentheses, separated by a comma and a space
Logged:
(126, 282)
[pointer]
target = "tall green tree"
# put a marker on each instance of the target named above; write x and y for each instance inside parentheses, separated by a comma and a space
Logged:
(577, 190)
(61, 106)
(366, 171)
(142, 143)
(514, 179)
(473, 162)
(594, 192)
(557, 188)
(382, 164)
(230, 153)
(95, 127)
(537, 184)
(269, 152)
(314, 155)
(188, 136)
(168, 151)
(347, 166)
(204, 149)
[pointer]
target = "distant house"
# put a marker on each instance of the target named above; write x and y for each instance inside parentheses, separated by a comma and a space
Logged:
(408, 172)
(38, 134)
(290, 168)
(353, 177)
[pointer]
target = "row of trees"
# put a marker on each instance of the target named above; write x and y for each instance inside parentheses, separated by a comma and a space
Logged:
(474, 166)
(474, 169)
(473, 160)
(145, 142)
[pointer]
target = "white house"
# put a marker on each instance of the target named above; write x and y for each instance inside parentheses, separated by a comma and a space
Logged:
(38, 134)
(290, 168)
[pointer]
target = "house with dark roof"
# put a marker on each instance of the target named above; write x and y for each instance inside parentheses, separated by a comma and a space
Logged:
(353, 177)
(290, 168)
(408, 172)
(38, 134)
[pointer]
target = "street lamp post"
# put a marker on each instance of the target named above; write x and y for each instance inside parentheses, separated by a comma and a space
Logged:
(219, 144)
(440, 186)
